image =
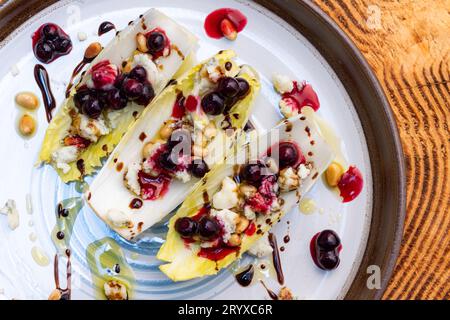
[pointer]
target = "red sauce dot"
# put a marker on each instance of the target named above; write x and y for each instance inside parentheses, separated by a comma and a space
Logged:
(215, 18)
(351, 184)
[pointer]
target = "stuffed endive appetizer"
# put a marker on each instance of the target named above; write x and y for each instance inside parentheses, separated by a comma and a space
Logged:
(186, 131)
(239, 201)
(119, 83)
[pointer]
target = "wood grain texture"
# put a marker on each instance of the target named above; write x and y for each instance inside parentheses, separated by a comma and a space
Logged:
(407, 44)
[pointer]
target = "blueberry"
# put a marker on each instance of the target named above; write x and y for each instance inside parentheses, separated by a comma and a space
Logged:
(213, 104)
(288, 155)
(328, 260)
(50, 31)
(44, 51)
(156, 42)
(115, 100)
(62, 44)
(132, 88)
(208, 228)
(186, 227)
(199, 168)
(328, 240)
(166, 161)
(146, 96)
(92, 108)
(229, 87)
(244, 87)
(252, 173)
(138, 73)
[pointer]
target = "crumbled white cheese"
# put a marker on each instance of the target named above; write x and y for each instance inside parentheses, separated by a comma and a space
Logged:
(118, 218)
(183, 176)
(63, 156)
(282, 83)
(227, 219)
(227, 197)
(132, 179)
(214, 70)
(249, 213)
(82, 36)
(92, 129)
(115, 290)
(303, 171)
(288, 179)
(286, 109)
(15, 70)
(144, 61)
(261, 248)
(114, 117)
(12, 214)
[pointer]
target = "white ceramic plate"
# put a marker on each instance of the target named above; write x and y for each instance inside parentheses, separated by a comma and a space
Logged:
(267, 43)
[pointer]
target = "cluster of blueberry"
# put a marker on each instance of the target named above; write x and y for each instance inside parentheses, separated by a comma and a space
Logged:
(133, 86)
(50, 42)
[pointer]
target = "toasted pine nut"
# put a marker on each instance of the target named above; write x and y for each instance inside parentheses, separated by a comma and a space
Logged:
(92, 50)
(247, 190)
(235, 240)
(55, 295)
(334, 174)
(27, 100)
(147, 150)
(27, 125)
(127, 68)
(166, 131)
(242, 225)
(141, 41)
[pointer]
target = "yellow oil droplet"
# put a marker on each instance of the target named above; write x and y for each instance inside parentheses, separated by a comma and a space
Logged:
(40, 257)
(307, 206)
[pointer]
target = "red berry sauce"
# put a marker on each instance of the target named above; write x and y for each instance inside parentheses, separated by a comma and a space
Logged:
(50, 42)
(251, 229)
(351, 184)
(214, 19)
(153, 188)
(178, 110)
(313, 249)
(302, 96)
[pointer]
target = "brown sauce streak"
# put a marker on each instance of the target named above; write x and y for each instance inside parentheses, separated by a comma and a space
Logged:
(81, 167)
(67, 292)
(119, 166)
(43, 82)
(272, 294)
(142, 136)
(276, 258)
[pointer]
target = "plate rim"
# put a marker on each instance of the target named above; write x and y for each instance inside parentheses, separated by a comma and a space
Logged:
(316, 26)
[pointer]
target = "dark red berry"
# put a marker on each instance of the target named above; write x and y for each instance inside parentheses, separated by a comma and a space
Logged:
(186, 227)
(138, 73)
(244, 87)
(166, 160)
(288, 155)
(50, 31)
(156, 42)
(208, 228)
(328, 240)
(92, 108)
(62, 44)
(44, 51)
(213, 104)
(147, 95)
(199, 168)
(252, 173)
(328, 260)
(115, 100)
(229, 87)
(132, 88)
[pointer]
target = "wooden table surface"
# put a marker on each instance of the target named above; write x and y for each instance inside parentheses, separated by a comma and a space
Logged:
(407, 44)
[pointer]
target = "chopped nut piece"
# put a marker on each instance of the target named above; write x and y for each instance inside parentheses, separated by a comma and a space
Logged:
(288, 180)
(285, 294)
(242, 224)
(166, 131)
(115, 290)
(141, 41)
(247, 190)
(148, 150)
(55, 295)
(235, 240)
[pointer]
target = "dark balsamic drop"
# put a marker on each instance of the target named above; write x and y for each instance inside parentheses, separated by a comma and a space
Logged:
(43, 81)
(245, 277)
(276, 258)
(136, 204)
(105, 27)
(60, 235)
